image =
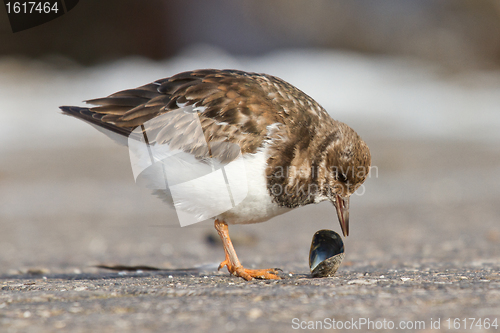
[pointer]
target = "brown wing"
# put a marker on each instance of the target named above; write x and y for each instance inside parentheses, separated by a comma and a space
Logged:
(232, 107)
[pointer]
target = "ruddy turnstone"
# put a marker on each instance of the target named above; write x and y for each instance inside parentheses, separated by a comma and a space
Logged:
(295, 154)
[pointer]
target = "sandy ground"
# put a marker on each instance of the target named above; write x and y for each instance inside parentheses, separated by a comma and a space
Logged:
(424, 246)
(425, 233)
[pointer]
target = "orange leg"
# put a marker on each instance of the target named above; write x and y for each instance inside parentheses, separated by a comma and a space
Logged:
(233, 264)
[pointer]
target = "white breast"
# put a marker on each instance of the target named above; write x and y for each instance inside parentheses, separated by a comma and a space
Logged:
(258, 205)
(205, 198)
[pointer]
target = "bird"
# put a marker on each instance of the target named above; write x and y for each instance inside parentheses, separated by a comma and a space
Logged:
(294, 153)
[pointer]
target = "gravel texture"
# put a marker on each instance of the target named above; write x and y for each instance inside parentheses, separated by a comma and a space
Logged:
(424, 246)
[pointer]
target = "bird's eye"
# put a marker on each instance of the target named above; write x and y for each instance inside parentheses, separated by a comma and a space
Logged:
(342, 177)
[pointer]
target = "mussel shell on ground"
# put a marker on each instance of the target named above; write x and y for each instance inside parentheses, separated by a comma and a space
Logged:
(326, 254)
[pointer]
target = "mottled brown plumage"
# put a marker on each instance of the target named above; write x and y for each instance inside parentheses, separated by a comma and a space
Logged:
(310, 157)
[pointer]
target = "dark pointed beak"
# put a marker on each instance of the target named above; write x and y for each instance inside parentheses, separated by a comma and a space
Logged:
(342, 206)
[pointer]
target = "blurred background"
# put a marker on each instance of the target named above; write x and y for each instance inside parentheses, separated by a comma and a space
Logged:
(419, 80)
(459, 34)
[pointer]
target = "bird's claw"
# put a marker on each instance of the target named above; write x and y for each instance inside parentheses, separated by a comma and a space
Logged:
(250, 274)
(224, 263)
(263, 274)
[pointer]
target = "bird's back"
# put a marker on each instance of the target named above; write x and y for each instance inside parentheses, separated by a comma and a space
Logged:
(232, 106)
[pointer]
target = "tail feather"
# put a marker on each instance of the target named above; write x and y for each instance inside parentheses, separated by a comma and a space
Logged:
(95, 120)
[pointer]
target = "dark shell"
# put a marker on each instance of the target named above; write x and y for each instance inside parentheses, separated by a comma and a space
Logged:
(327, 253)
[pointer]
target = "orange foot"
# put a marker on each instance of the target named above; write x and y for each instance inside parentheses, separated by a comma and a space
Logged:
(250, 274)
(233, 264)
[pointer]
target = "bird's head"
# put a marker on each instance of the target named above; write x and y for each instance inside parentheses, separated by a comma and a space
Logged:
(348, 163)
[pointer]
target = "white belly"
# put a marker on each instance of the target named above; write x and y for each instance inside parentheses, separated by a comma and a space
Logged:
(203, 198)
(258, 205)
